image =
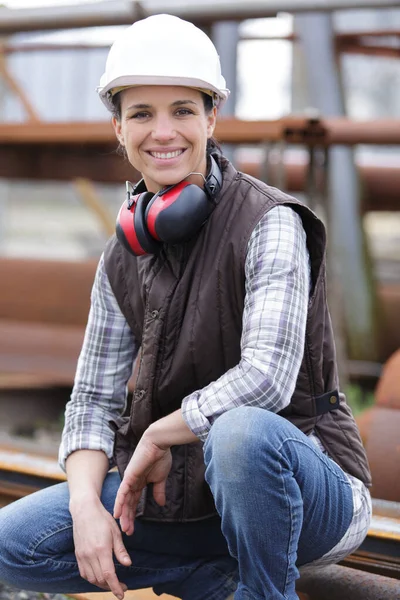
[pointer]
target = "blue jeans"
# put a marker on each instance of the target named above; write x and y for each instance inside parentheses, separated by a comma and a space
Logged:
(282, 504)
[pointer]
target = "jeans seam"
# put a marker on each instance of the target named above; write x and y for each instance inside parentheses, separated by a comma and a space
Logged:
(130, 568)
(291, 531)
(325, 460)
(45, 536)
(321, 457)
(226, 585)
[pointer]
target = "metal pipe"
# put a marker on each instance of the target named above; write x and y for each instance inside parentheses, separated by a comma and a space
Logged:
(335, 582)
(349, 262)
(380, 184)
(120, 12)
(348, 40)
(116, 12)
(225, 36)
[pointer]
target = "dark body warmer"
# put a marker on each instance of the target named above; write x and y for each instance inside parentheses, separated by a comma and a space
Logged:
(185, 308)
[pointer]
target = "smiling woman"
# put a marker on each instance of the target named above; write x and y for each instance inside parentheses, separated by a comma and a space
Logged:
(240, 460)
(164, 131)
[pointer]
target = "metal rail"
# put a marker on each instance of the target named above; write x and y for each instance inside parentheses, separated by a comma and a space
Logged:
(120, 12)
(292, 130)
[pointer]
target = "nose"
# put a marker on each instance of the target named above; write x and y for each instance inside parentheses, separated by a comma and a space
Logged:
(163, 130)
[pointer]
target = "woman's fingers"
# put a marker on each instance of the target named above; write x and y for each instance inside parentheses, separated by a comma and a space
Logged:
(159, 492)
(100, 571)
(109, 576)
(128, 512)
(123, 493)
(120, 551)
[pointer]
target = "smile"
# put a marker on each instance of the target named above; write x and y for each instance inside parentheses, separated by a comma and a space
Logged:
(166, 155)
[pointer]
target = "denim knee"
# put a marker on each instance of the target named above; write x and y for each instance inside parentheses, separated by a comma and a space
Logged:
(236, 436)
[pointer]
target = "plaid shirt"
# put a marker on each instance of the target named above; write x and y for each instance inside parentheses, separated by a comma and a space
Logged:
(274, 321)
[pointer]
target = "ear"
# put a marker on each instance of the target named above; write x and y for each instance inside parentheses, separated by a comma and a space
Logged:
(211, 122)
(118, 130)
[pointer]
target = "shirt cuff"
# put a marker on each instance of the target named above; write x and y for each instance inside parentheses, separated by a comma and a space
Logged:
(67, 447)
(193, 418)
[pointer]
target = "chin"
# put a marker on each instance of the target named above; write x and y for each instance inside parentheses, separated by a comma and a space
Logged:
(171, 179)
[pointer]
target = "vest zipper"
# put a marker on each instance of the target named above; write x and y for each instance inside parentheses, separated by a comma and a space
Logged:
(180, 252)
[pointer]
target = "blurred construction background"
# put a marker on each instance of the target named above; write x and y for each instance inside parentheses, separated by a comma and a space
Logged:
(314, 110)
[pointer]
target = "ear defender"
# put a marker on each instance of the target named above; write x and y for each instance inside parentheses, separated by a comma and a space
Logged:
(173, 215)
(131, 230)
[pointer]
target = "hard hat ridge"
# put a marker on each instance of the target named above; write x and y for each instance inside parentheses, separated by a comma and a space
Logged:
(162, 50)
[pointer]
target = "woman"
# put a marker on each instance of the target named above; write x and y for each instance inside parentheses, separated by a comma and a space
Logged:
(236, 382)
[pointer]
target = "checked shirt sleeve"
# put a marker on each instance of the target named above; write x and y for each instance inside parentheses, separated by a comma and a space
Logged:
(103, 370)
(274, 323)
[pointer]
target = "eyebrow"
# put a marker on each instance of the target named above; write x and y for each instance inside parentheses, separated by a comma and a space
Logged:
(176, 103)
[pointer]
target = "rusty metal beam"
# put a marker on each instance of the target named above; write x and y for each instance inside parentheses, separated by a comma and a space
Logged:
(369, 43)
(377, 51)
(293, 130)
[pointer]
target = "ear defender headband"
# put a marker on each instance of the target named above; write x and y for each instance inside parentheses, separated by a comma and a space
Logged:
(172, 215)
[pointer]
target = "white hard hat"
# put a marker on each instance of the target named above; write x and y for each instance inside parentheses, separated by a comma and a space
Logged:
(163, 50)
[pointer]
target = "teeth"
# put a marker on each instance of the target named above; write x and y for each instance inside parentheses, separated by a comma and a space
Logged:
(166, 154)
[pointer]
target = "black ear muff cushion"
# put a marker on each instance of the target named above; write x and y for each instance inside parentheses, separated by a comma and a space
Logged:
(177, 215)
(147, 242)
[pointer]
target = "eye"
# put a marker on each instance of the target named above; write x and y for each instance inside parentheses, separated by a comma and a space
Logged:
(182, 112)
(139, 115)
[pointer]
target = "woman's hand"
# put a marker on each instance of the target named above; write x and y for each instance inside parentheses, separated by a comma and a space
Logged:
(150, 463)
(96, 537)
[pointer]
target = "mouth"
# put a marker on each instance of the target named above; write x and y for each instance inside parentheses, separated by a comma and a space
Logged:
(166, 155)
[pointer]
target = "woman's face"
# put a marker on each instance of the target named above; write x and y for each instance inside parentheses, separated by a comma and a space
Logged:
(164, 130)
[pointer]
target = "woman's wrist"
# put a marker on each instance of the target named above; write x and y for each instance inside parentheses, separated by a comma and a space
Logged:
(170, 431)
(81, 500)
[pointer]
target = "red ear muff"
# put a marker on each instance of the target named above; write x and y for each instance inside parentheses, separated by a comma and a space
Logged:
(173, 215)
(146, 241)
(177, 214)
(130, 229)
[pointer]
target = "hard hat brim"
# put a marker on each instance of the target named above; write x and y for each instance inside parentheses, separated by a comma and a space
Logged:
(129, 81)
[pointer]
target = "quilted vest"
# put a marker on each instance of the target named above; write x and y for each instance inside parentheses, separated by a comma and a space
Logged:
(185, 308)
